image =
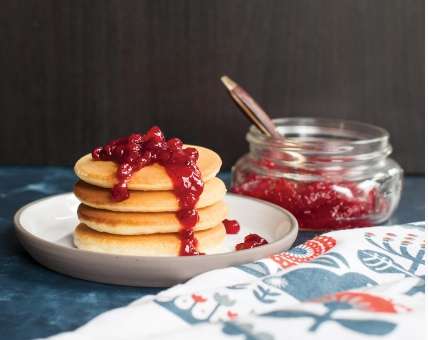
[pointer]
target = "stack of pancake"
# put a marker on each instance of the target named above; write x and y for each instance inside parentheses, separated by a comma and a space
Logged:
(145, 224)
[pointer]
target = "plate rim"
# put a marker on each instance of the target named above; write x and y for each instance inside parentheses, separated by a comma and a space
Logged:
(20, 230)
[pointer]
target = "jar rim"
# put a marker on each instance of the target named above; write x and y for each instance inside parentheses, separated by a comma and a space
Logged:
(325, 142)
(337, 127)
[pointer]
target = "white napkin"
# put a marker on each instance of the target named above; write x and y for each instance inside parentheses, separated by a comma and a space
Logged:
(343, 285)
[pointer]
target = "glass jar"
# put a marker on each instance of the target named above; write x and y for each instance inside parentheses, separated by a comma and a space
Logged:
(330, 173)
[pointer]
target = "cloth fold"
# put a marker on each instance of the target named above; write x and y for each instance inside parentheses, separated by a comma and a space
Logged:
(350, 284)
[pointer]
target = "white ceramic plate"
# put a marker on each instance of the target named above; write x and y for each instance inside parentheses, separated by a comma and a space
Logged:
(45, 227)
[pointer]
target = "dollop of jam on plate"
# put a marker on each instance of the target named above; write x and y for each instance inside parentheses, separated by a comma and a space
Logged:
(251, 241)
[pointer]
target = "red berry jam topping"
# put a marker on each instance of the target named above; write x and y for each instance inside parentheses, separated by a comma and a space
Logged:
(136, 151)
(251, 241)
(231, 226)
(318, 205)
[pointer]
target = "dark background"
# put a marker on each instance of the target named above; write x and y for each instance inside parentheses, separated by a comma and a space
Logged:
(74, 74)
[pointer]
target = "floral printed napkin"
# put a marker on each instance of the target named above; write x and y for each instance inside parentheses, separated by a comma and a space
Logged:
(351, 284)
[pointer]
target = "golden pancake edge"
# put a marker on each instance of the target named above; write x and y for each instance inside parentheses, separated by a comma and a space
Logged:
(152, 177)
(144, 245)
(146, 201)
(134, 223)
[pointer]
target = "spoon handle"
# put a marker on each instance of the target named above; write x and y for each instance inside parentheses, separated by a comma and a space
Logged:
(251, 108)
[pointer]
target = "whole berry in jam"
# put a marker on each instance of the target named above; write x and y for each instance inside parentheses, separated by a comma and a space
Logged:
(231, 226)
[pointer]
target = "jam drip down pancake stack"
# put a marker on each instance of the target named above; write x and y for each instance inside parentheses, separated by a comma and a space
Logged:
(148, 196)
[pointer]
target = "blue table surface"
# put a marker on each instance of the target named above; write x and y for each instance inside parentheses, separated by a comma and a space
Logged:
(37, 302)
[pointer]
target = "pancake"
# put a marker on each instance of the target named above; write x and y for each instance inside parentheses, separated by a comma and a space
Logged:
(152, 177)
(134, 223)
(144, 245)
(146, 201)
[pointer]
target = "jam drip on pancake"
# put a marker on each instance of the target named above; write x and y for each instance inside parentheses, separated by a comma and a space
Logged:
(136, 151)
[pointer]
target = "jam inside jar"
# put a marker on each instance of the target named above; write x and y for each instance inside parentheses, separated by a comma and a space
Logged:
(329, 173)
